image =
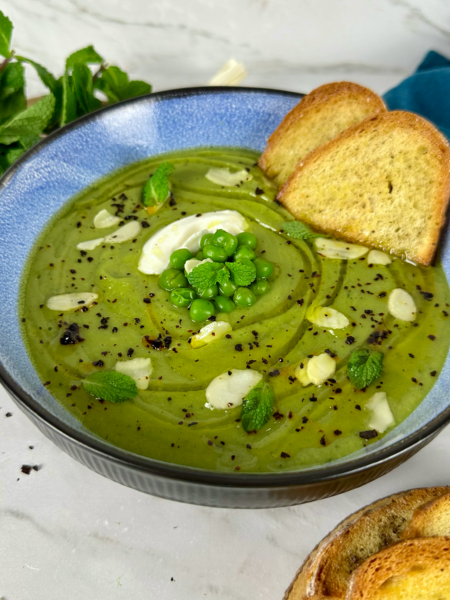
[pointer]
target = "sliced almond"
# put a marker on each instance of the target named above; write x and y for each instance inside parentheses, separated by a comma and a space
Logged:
(227, 179)
(125, 233)
(139, 369)
(190, 264)
(105, 219)
(210, 333)
(324, 316)
(375, 257)
(90, 244)
(401, 305)
(320, 368)
(232, 73)
(228, 390)
(301, 372)
(72, 301)
(381, 417)
(341, 250)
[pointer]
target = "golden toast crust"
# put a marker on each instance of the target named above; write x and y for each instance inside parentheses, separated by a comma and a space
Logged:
(351, 226)
(309, 110)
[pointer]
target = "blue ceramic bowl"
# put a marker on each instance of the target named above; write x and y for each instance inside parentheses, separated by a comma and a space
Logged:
(59, 167)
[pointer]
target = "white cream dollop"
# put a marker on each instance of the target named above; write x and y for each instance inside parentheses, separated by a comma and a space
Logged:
(185, 234)
(138, 369)
(228, 390)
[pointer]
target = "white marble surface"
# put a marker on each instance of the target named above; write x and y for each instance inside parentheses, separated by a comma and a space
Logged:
(66, 532)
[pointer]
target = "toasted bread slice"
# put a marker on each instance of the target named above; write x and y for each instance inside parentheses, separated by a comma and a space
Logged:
(318, 118)
(327, 570)
(409, 570)
(384, 183)
(430, 520)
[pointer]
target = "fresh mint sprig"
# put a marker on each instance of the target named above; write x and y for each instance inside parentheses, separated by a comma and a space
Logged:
(257, 407)
(72, 95)
(364, 367)
(156, 190)
(243, 271)
(110, 385)
(300, 231)
(205, 275)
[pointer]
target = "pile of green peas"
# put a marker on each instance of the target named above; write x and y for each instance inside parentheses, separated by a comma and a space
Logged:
(219, 247)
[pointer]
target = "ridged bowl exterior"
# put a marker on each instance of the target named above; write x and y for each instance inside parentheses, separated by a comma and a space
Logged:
(74, 157)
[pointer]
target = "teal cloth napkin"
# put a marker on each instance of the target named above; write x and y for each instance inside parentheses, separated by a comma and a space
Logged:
(426, 92)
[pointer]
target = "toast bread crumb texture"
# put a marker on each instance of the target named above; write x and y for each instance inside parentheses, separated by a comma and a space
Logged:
(430, 520)
(384, 183)
(318, 118)
(413, 569)
(326, 572)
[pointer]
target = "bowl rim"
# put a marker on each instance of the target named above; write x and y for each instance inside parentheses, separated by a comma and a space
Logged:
(285, 479)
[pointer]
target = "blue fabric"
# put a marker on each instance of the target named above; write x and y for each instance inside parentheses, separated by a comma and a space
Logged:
(426, 92)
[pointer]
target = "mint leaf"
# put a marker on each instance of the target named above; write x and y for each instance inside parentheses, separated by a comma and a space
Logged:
(222, 275)
(110, 385)
(12, 105)
(116, 86)
(11, 80)
(300, 231)
(243, 271)
(68, 102)
(136, 88)
(156, 190)
(204, 276)
(85, 56)
(6, 28)
(83, 90)
(45, 76)
(257, 407)
(364, 367)
(28, 124)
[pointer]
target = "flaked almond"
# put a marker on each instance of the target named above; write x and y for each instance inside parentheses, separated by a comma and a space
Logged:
(72, 301)
(225, 178)
(190, 264)
(105, 219)
(324, 316)
(232, 73)
(401, 305)
(341, 250)
(375, 257)
(301, 372)
(210, 333)
(228, 390)
(125, 233)
(320, 368)
(381, 415)
(139, 369)
(90, 244)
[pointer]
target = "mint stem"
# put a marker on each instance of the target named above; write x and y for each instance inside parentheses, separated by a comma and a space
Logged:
(6, 61)
(100, 70)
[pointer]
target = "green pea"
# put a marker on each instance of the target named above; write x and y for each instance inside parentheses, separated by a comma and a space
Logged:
(244, 297)
(244, 252)
(208, 293)
(247, 239)
(215, 253)
(264, 268)
(179, 257)
(171, 279)
(225, 240)
(201, 310)
(199, 255)
(260, 287)
(182, 297)
(224, 304)
(206, 239)
(227, 289)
